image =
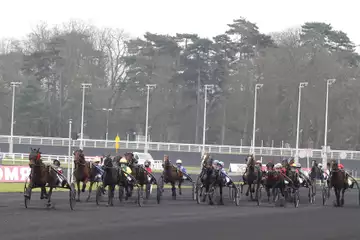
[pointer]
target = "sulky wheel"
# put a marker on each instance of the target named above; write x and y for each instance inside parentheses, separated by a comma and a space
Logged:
(99, 193)
(148, 188)
(72, 196)
(193, 191)
(199, 193)
(324, 195)
(236, 195)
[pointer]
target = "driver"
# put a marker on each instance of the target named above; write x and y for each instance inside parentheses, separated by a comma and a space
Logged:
(222, 170)
(125, 168)
(180, 166)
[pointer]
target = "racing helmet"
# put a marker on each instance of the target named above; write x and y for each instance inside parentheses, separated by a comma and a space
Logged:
(147, 163)
(258, 162)
(320, 165)
(96, 160)
(178, 161)
(216, 162)
(278, 165)
(221, 163)
(123, 161)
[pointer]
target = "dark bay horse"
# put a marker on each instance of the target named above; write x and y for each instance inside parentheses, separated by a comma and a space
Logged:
(252, 176)
(209, 176)
(41, 175)
(172, 175)
(338, 180)
(273, 180)
(137, 171)
(111, 178)
(82, 171)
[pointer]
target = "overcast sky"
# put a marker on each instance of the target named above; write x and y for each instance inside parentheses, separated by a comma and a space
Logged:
(207, 18)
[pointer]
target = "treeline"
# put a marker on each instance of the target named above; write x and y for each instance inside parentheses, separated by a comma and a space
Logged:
(53, 62)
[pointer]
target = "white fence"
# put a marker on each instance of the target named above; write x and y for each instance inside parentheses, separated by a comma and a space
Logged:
(178, 147)
(21, 158)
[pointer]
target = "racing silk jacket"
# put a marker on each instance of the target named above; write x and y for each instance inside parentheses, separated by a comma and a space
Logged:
(126, 169)
(148, 169)
(182, 169)
(99, 169)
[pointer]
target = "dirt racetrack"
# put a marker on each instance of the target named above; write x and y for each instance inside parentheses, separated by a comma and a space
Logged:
(176, 219)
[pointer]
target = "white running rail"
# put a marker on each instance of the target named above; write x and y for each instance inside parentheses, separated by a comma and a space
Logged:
(23, 158)
(176, 147)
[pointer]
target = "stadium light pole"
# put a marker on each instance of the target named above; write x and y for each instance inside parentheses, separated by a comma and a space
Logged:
(108, 110)
(83, 86)
(206, 88)
(301, 86)
(11, 145)
(149, 86)
(69, 150)
(257, 87)
(329, 82)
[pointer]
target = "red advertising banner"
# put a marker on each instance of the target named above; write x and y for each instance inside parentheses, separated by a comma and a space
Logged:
(14, 173)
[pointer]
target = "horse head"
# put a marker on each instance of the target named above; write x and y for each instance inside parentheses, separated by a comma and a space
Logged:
(250, 162)
(35, 156)
(334, 166)
(108, 162)
(166, 161)
(79, 157)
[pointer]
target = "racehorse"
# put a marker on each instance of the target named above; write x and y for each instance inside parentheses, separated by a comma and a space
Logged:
(41, 175)
(111, 178)
(210, 176)
(338, 181)
(252, 176)
(137, 171)
(172, 175)
(81, 172)
(273, 180)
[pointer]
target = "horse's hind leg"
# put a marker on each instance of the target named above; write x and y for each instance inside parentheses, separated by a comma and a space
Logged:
(248, 190)
(267, 189)
(179, 186)
(337, 197)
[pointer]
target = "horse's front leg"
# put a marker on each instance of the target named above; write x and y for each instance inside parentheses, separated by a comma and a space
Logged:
(342, 197)
(337, 196)
(173, 190)
(111, 195)
(90, 189)
(78, 191)
(84, 185)
(43, 193)
(267, 189)
(221, 194)
(49, 197)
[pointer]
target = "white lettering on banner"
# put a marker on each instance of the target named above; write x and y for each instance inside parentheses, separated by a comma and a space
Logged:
(12, 174)
(24, 173)
(237, 167)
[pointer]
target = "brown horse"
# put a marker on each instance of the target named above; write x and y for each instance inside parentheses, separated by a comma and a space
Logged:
(252, 176)
(137, 171)
(41, 175)
(82, 171)
(338, 180)
(172, 175)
